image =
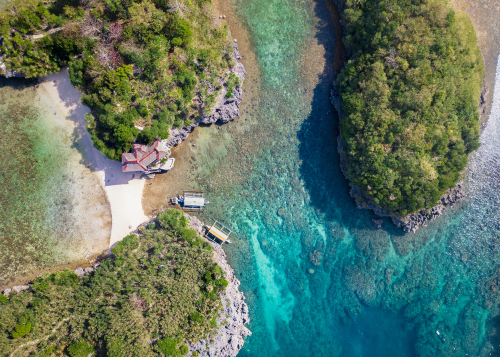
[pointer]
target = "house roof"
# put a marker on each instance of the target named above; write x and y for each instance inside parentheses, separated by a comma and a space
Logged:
(142, 156)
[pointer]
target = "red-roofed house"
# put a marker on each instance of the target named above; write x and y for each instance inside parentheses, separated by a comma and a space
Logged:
(142, 156)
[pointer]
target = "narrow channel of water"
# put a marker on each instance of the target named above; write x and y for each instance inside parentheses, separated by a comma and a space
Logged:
(320, 280)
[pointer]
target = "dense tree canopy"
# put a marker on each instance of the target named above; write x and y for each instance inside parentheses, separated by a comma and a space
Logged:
(179, 51)
(409, 98)
(161, 289)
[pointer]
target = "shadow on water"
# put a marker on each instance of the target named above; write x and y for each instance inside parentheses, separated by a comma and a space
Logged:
(81, 139)
(364, 331)
(320, 168)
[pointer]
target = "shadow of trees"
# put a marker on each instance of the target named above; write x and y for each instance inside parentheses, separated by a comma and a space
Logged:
(320, 170)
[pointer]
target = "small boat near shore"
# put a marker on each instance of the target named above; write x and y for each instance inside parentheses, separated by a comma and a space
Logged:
(192, 201)
(168, 165)
(218, 233)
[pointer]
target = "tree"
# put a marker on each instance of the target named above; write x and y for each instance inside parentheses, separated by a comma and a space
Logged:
(21, 330)
(80, 349)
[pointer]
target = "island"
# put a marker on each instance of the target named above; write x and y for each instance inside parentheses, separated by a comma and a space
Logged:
(408, 102)
(164, 292)
(150, 70)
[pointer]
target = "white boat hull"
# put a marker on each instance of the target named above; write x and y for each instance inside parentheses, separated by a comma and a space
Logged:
(168, 165)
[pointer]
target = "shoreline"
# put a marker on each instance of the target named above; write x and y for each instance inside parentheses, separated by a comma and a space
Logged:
(183, 175)
(411, 222)
(232, 319)
(226, 110)
(232, 330)
(484, 15)
(123, 190)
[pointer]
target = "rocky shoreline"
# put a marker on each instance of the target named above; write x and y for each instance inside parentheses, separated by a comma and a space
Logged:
(227, 109)
(232, 320)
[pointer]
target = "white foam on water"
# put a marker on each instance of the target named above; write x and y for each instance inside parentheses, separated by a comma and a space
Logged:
(477, 243)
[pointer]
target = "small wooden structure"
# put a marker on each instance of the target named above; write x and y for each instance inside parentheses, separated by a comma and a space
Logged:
(193, 201)
(219, 233)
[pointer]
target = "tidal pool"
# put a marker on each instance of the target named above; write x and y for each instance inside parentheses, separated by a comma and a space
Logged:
(320, 279)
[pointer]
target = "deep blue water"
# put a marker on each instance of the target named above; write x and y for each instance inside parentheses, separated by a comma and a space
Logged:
(320, 279)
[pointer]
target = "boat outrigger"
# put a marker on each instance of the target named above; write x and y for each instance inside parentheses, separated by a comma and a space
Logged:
(218, 233)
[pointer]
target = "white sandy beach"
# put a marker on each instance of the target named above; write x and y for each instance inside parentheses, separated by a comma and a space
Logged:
(124, 190)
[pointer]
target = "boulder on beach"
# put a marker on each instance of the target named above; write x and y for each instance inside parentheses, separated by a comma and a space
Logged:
(79, 272)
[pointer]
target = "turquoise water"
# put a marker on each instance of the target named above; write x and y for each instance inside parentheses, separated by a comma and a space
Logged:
(320, 279)
(47, 195)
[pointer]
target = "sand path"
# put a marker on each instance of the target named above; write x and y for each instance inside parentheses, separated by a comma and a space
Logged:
(124, 190)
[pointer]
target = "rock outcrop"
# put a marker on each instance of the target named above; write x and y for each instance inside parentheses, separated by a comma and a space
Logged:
(226, 109)
(17, 289)
(232, 331)
(3, 68)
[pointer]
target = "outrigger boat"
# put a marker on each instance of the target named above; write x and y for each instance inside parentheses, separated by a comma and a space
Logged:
(218, 233)
(193, 201)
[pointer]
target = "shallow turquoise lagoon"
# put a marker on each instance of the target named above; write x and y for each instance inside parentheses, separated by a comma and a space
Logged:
(53, 211)
(320, 279)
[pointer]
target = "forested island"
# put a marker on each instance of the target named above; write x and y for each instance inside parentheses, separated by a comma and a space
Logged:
(159, 293)
(145, 66)
(408, 101)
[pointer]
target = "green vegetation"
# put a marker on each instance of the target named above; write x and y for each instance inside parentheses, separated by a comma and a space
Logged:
(409, 98)
(80, 349)
(161, 289)
(176, 50)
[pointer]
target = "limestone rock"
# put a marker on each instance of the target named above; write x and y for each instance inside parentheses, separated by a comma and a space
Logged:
(227, 109)
(79, 272)
(232, 331)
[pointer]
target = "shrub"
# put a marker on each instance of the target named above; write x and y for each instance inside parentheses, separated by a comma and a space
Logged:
(168, 347)
(173, 219)
(232, 83)
(177, 41)
(116, 348)
(196, 317)
(184, 350)
(21, 330)
(80, 349)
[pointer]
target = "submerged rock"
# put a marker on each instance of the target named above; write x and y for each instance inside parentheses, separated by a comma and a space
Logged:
(377, 222)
